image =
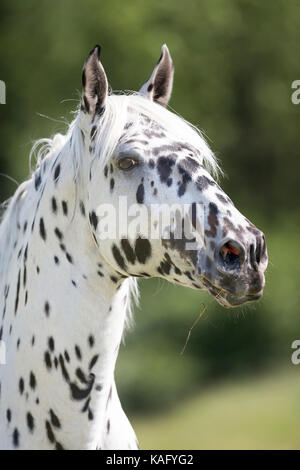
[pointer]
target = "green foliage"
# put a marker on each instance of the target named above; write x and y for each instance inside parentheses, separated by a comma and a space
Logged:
(244, 414)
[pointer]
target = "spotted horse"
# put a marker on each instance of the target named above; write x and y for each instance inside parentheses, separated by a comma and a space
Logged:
(66, 291)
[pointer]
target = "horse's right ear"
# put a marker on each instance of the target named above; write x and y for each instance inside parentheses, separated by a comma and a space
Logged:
(94, 84)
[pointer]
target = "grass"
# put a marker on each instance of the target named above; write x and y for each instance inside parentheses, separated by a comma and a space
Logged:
(260, 413)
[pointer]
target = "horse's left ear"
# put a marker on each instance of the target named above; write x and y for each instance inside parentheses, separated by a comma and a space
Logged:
(94, 83)
(159, 86)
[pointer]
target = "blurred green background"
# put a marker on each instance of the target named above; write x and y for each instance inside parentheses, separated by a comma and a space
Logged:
(235, 61)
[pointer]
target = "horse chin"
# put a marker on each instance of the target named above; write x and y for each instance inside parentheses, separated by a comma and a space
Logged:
(228, 300)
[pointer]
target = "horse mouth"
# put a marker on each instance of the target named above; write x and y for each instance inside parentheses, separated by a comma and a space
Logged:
(227, 299)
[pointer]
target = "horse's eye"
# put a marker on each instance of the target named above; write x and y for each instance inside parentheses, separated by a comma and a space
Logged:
(127, 163)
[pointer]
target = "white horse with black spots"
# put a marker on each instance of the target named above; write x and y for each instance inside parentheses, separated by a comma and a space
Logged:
(66, 288)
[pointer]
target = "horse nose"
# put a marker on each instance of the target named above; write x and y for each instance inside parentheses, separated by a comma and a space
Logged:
(230, 255)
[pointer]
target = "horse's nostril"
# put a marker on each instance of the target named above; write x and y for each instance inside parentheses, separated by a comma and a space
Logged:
(231, 254)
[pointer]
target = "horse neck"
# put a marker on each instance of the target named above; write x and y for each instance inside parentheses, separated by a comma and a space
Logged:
(68, 317)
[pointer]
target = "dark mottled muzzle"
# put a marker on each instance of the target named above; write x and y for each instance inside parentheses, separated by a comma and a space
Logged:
(234, 273)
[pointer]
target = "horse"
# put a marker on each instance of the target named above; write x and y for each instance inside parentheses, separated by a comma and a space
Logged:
(68, 272)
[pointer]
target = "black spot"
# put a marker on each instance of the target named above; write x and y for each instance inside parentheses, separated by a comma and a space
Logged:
(128, 250)
(165, 267)
(56, 172)
(150, 87)
(58, 233)
(112, 184)
(50, 433)
(47, 359)
(37, 180)
(186, 178)
(93, 361)
(82, 208)
(63, 369)
(47, 308)
(56, 260)
(118, 257)
(8, 415)
(42, 229)
(51, 344)
(54, 205)
(21, 386)
(105, 171)
(81, 376)
(93, 220)
(142, 249)
(93, 132)
(16, 437)
(69, 258)
(24, 276)
(67, 357)
(30, 421)
(164, 168)
(188, 275)
(91, 341)
(140, 194)
(203, 183)
(54, 419)
(81, 394)
(212, 220)
(64, 205)
(192, 165)
(32, 380)
(17, 292)
(194, 215)
(221, 198)
(78, 352)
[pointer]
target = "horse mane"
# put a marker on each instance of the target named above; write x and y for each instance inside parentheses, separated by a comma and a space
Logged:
(69, 150)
